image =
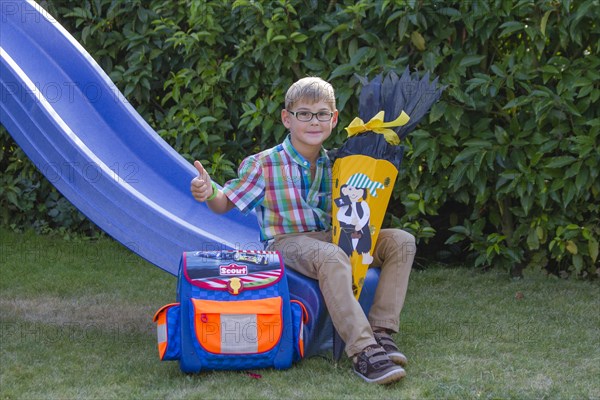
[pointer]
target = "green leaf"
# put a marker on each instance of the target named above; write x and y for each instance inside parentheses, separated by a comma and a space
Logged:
(437, 110)
(498, 71)
(470, 60)
(342, 70)
(12, 198)
(417, 40)
(456, 179)
(459, 229)
(578, 263)
(593, 249)
(466, 154)
(298, 37)
(455, 238)
(533, 241)
(362, 55)
(545, 22)
(451, 12)
(208, 118)
(519, 101)
(479, 143)
(414, 196)
(510, 27)
(279, 38)
(527, 203)
(541, 233)
(314, 64)
(559, 162)
(422, 206)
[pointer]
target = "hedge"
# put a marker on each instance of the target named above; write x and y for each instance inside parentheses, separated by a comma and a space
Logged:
(504, 172)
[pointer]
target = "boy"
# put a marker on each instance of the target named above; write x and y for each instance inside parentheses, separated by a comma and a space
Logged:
(289, 186)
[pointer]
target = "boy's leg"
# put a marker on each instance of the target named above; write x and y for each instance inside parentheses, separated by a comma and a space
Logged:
(312, 254)
(394, 252)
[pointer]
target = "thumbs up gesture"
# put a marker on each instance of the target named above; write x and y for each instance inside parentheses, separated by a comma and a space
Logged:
(201, 186)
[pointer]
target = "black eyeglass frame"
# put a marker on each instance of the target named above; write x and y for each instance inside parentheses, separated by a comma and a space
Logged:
(313, 115)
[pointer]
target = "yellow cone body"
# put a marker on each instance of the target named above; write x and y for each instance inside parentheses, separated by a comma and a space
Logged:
(357, 221)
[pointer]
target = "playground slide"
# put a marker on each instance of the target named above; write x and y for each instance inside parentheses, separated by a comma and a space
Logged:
(83, 135)
(80, 131)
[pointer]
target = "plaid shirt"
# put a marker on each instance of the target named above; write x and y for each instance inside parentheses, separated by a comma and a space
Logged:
(278, 184)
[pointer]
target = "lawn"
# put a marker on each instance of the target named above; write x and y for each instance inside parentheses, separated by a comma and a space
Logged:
(76, 322)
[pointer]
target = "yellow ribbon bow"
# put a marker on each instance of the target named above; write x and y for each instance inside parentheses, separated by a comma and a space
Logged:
(377, 125)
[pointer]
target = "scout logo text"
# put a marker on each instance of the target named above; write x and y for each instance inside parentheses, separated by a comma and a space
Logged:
(233, 269)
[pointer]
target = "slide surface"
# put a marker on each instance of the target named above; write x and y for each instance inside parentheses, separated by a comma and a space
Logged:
(80, 131)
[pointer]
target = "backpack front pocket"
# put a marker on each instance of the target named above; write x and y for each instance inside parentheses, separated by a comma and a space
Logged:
(238, 327)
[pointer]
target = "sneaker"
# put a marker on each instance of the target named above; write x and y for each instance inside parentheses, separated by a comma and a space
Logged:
(385, 340)
(374, 366)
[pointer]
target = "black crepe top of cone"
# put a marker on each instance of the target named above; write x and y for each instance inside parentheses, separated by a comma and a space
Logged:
(394, 94)
(373, 145)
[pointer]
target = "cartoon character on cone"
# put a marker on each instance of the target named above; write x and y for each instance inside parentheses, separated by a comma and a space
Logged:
(360, 202)
(354, 216)
(366, 165)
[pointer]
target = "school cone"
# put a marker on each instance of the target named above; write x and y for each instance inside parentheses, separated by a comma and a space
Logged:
(362, 187)
(366, 165)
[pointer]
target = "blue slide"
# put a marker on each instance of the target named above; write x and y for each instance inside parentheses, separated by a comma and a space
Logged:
(83, 135)
(80, 131)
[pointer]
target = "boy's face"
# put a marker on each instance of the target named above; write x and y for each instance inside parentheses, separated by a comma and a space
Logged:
(308, 136)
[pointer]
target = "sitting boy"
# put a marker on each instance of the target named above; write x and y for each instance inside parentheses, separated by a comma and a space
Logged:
(289, 186)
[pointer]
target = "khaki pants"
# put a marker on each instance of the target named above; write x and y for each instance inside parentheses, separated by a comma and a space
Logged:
(312, 254)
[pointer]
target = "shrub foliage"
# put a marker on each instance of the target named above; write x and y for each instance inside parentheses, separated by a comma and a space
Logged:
(504, 172)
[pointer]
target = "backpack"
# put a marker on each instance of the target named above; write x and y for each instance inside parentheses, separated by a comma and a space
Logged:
(233, 312)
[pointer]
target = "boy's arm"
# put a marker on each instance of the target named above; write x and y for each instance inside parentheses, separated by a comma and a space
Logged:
(204, 191)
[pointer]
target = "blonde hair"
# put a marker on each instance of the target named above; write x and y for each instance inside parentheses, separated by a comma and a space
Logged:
(311, 89)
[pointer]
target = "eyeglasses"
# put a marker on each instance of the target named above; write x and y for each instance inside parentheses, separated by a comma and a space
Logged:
(306, 116)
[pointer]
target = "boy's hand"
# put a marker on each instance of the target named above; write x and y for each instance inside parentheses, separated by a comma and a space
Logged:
(201, 186)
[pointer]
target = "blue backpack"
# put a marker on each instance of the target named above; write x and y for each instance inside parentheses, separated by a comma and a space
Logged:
(233, 312)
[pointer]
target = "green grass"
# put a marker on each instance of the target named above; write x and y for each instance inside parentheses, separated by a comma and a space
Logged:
(75, 322)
